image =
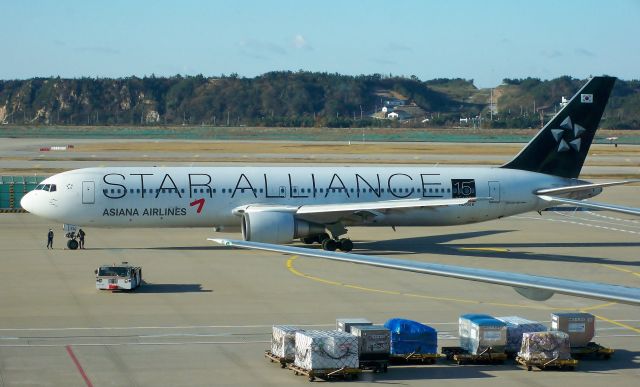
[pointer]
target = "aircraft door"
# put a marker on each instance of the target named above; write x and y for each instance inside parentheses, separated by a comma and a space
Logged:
(494, 191)
(88, 192)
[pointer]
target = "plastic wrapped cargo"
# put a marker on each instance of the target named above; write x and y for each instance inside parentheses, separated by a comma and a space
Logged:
(374, 341)
(545, 346)
(322, 350)
(283, 341)
(581, 327)
(480, 332)
(345, 324)
(464, 323)
(516, 326)
(409, 336)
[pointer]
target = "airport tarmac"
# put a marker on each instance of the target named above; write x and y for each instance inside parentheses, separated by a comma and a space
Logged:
(22, 156)
(205, 313)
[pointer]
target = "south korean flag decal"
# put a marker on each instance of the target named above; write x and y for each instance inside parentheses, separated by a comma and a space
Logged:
(586, 98)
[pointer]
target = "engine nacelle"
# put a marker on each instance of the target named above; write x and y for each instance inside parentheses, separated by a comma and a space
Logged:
(276, 227)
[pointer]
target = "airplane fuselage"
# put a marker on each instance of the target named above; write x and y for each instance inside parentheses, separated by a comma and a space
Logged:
(205, 196)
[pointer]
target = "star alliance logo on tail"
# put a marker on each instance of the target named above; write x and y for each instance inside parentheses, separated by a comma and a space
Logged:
(568, 135)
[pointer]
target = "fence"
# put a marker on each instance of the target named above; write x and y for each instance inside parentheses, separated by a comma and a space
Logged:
(13, 188)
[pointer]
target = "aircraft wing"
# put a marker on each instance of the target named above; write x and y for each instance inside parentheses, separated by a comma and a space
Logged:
(594, 205)
(534, 287)
(325, 213)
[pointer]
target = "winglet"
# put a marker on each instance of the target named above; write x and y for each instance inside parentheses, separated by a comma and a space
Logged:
(224, 242)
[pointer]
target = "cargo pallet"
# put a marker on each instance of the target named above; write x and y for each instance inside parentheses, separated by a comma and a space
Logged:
(557, 364)
(326, 374)
(462, 356)
(375, 365)
(592, 350)
(415, 358)
(275, 358)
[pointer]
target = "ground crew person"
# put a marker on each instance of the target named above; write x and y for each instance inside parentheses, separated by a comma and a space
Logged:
(81, 235)
(50, 239)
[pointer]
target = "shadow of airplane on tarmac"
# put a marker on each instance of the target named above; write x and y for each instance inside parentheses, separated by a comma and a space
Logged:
(441, 244)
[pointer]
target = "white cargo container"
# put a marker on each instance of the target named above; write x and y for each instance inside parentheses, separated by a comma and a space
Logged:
(326, 350)
(283, 341)
(345, 324)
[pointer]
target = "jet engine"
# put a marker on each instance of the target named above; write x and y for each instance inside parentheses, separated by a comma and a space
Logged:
(276, 227)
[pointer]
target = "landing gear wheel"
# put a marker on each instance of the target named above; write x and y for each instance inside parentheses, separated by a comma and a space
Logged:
(329, 245)
(72, 244)
(345, 245)
(308, 240)
(322, 237)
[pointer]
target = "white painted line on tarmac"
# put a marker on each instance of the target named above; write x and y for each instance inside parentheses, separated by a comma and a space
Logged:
(615, 229)
(133, 344)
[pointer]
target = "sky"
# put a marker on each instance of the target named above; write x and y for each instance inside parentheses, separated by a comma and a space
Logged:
(486, 41)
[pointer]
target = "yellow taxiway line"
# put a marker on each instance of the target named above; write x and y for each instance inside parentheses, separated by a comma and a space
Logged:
(298, 273)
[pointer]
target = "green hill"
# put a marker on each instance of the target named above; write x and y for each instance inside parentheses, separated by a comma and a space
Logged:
(293, 99)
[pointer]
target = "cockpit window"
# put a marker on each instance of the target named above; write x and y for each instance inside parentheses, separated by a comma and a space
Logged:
(46, 187)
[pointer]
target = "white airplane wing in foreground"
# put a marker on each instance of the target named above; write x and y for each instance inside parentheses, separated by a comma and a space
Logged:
(534, 287)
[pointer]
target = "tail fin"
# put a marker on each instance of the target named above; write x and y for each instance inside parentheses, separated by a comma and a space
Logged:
(562, 145)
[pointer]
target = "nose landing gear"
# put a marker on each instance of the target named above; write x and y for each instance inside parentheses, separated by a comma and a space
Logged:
(72, 235)
(72, 244)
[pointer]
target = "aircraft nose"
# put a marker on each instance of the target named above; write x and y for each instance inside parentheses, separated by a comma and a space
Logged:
(27, 202)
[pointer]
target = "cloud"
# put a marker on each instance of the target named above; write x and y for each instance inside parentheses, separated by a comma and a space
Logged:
(551, 54)
(98, 50)
(384, 61)
(260, 49)
(584, 52)
(300, 43)
(393, 46)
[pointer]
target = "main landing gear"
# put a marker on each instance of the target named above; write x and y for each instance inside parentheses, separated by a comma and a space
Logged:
(329, 244)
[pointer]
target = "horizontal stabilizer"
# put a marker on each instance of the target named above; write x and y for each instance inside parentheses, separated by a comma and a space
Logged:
(582, 187)
(594, 205)
(531, 286)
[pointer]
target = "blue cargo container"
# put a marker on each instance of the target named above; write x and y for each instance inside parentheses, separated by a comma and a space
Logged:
(412, 337)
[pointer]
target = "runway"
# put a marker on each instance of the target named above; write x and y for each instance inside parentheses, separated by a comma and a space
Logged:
(204, 315)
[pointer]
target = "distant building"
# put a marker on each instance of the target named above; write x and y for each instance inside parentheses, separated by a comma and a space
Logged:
(393, 116)
(395, 102)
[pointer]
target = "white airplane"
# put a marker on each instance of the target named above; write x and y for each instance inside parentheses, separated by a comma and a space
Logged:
(277, 205)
